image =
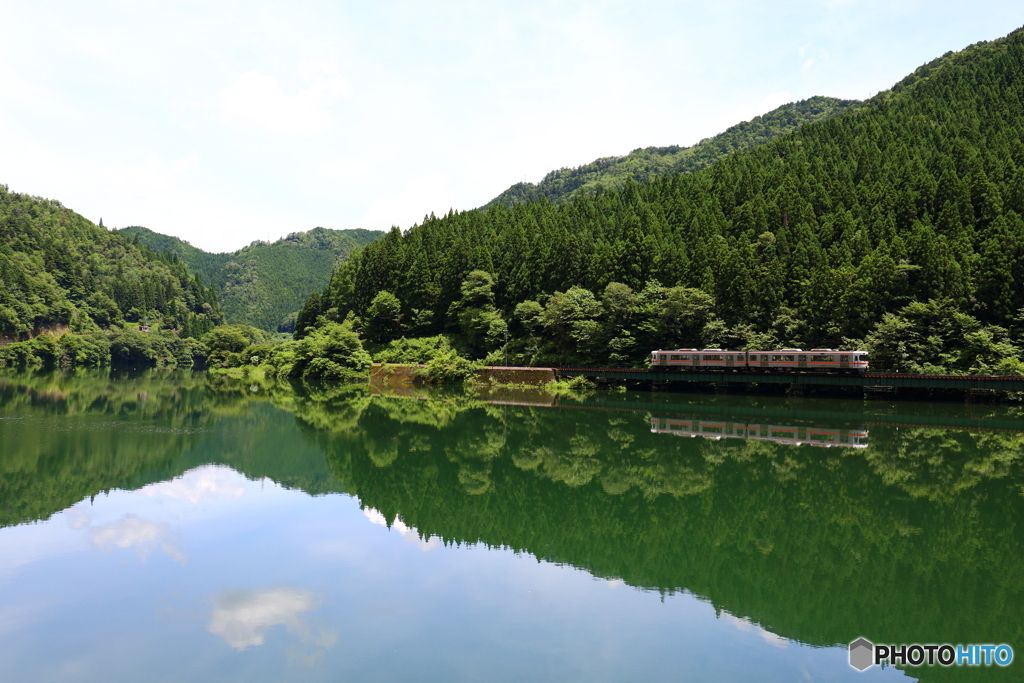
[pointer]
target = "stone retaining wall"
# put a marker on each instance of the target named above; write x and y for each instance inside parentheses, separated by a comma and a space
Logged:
(500, 375)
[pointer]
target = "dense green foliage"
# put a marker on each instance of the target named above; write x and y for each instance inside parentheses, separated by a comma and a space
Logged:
(807, 240)
(264, 284)
(59, 271)
(643, 165)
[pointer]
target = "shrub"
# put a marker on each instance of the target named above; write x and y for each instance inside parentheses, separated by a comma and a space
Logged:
(332, 352)
(449, 367)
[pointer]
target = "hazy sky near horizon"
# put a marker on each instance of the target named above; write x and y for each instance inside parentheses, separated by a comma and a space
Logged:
(226, 122)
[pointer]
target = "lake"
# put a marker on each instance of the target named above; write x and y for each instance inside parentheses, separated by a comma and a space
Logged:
(179, 526)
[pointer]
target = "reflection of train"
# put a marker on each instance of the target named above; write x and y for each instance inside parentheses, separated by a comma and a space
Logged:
(821, 360)
(726, 429)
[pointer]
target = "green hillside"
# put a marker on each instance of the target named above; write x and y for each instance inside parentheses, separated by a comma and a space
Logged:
(897, 227)
(642, 165)
(263, 283)
(59, 271)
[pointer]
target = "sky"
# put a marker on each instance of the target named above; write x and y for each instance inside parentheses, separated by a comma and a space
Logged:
(227, 122)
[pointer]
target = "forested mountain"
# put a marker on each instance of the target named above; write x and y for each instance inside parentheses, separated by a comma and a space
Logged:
(61, 271)
(263, 283)
(642, 165)
(898, 226)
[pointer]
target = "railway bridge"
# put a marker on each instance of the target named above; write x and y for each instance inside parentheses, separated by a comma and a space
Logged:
(871, 383)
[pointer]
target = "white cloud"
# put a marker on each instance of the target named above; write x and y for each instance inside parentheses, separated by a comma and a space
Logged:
(811, 59)
(408, 533)
(77, 516)
(200, 484)
(746, 625)
(375, 516)
(258, 101)
(242, 618)
(133, 532)
(425, 194)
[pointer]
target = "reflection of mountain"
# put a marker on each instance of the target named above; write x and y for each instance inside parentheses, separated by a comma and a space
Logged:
(910, 539)
(794, 435)
(904, 540)
(66, 438)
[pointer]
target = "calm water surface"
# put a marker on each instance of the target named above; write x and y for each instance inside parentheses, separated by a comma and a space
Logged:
(170, 527)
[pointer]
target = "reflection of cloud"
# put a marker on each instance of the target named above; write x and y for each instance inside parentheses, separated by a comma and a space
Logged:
(409, 534)
(746, 625)
(243, 618)
(78, 518)
(131, 531)
(202, 483)
(375, 516)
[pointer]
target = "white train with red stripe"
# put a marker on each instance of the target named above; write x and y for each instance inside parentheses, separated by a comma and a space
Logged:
(819, 360)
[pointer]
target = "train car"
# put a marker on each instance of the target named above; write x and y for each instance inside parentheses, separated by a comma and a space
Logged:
(824, 436)
(696, 358)
(818, 360)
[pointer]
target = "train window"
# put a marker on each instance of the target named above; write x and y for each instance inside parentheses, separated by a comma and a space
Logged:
(753, 358)
(863, 359)
(713, 357)
(803, 359)
(783, 359)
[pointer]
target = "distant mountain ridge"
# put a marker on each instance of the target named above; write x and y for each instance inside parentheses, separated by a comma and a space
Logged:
(641, 165)
(263, 283)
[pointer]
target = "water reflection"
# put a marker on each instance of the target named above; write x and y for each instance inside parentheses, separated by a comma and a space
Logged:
(132, 532)
(817, 435)
(409, 534)
(199, 485)
(906, 537)
(243, 618)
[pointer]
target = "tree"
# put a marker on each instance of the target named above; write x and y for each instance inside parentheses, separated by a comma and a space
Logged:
(383, 319)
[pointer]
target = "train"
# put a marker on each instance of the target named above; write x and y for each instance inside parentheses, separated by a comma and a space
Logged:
(817, 360)
(788, 434)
